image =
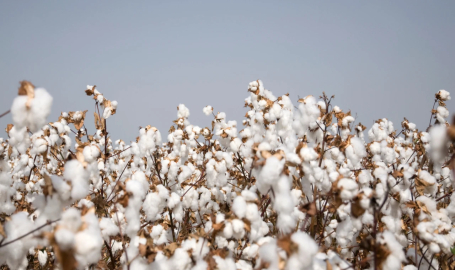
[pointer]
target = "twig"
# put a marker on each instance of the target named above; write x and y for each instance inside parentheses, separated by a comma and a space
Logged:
(192, 185)
(110, 254)
(5, 113)
(172, 224)
(116, 183)
(31, 170)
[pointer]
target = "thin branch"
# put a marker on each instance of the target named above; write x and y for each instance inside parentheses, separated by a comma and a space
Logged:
(5, 113)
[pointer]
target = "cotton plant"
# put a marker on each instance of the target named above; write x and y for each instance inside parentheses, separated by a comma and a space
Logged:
(295, 186)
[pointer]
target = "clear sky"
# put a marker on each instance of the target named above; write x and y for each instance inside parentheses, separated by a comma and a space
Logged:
(380, 58)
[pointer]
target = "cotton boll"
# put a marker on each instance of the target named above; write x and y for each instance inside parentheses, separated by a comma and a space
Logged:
(79, 177)
(34, 116)
(441, 114)
(243, 265)
(443, 95)
(181, 260)
(88, 242)
(42, 257)
(183, 112)
(108, 228)
(269, 173)
(207, 110)
(64, 239)
(17, 251)
(19, 138)
(306, 252)
(39, 146)
(397, 256)
(239, 207)
(136, 187)
(430, 187)
(249, 195)
(347, 120)
(365, 177)
(235, 144)
(348, 188)
(358, 149)
(228, 231)
(91, 153)
(269, 253)
(153, 205)
(238, 228)
(71, 219)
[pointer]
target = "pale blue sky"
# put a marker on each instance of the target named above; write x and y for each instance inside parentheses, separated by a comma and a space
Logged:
(380, 58)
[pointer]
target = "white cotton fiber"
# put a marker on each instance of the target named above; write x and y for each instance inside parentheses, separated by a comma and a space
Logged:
(35, 116)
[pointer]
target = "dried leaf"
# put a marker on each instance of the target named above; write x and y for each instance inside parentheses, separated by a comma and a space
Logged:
(99, 124)
(2, 231)
(27, 89)
(287, 245)
(421, 185)
(47, 188)
(309, 209)
(356, 209)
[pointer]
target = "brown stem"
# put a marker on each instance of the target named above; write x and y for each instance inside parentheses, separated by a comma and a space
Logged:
(116, 183)
(192, 185)
(110, 254)
(105, 157)
(172, 224)
(120, 152)
(5, 113)
(241, 165)
(445, 196)
(31, 170)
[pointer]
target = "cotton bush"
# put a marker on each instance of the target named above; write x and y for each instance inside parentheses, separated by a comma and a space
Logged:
(300, 186)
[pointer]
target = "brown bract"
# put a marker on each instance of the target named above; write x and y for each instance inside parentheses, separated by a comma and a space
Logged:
(27, 89)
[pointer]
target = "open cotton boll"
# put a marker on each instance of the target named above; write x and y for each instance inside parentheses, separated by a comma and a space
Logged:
(39, 146)
(308, 154)
(348, 188)
(153, 205)
(64, 239)
(181, 260)
(136, 188)
(269, 173)
(347, 120)
(71, 219)
(35, 116)
(443, 95)
(441, 114)
(79, 177)
(183, 111)
(239, 207)
(428, 181)
(16, 252)
(19, 138)
(42, 257)
(207, 110)
(91, 153)
(235, 144)
(88, 242)
(108, 228)
(303, 259)
(396, 256)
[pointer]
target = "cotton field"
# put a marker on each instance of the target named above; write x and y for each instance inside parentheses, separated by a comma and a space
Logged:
(297, 185)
